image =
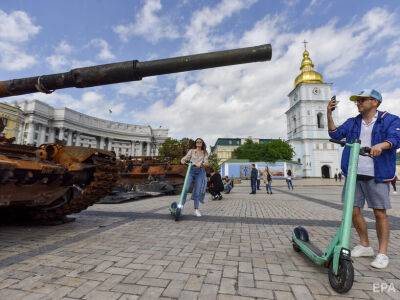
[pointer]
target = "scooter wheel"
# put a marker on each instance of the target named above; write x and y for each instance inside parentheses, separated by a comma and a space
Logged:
(343, 281)
(177, 214)
(295, 247)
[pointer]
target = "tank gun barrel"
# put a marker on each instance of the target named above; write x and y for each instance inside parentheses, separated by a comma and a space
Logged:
(132, 70)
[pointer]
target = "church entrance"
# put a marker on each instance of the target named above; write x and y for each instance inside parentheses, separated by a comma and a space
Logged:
(325, 171)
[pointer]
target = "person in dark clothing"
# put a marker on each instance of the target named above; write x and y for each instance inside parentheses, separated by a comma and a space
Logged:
(216, 185)
(336, 177)
(268, 181)
(289, 179)
(258, 179)
(253, 178)
(340, 176)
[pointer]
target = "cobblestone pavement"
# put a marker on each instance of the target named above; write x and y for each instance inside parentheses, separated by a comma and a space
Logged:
(239, 249)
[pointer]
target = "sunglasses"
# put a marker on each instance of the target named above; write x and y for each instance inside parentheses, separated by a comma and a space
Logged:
(362, 100)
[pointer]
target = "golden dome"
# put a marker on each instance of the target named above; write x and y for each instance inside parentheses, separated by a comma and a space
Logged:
(308, 75)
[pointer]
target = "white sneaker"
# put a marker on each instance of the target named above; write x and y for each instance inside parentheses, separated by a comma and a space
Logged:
(360, 250)
(394, 192)
(381, 261)
(197, 213)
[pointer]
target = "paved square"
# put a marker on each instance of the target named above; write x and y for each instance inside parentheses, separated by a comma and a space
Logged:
(239, 249)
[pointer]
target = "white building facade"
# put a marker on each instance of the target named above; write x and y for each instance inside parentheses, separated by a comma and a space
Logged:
(45, 124)
(307, 130)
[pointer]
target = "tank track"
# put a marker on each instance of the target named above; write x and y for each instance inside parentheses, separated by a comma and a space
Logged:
(105, 177)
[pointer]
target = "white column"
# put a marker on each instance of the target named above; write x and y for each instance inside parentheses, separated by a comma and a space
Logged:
(69, 139)
(52, 137)
(77, 139)
(141, 148)
(148, 149)
(20, 134)
(132, 148)
(42, 134)
(110, 141)
(102, 142)
(61, 134)
(31, 131)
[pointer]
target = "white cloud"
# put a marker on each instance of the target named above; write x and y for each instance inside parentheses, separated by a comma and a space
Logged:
(92, 103)
(65, 55)
(148, 24)
(104, 49)
(16, 29)
(251, 99)
(198, 35)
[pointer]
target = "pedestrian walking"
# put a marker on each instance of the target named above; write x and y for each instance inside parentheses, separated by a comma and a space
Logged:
(289, 182)
(381, 132)
(198, 156)
(268, 181)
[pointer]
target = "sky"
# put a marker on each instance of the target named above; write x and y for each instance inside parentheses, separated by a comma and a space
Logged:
(354, 44)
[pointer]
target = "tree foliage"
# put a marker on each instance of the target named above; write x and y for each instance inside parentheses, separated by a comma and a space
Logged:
(174, 150)
(269, 152)
(214, 162)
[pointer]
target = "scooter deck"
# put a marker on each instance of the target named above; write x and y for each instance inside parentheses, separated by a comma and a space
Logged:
(314, 248)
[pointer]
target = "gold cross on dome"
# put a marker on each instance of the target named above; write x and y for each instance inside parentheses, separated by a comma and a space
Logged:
(305, 44)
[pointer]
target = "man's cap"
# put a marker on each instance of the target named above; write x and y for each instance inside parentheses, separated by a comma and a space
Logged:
(367, 94)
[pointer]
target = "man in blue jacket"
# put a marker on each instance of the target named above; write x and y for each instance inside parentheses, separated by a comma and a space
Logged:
(253, 178)
(380, 131)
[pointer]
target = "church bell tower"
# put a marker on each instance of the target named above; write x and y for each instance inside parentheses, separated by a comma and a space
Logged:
(307, 130)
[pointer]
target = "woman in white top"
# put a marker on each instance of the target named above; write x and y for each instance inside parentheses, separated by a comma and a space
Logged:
(198, 156)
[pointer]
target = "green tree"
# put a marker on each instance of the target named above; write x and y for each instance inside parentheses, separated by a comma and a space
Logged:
(174, 150)
(214, 161)
(268, 152)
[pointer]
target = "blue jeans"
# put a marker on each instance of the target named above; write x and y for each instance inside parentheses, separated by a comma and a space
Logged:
(289, 183)
(253, 185)
(269, 187)
(197, 176)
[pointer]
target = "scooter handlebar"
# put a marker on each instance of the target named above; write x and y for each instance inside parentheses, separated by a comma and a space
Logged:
(365, 151)
(341, 143)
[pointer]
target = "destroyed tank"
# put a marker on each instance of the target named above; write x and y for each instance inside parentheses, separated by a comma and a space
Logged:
(53, 180)
(146, 173)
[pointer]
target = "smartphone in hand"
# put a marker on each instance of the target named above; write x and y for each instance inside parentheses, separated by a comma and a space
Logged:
(333, 99)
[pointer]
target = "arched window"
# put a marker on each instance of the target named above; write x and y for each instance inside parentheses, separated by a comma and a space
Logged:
(320, 120)
(294, 123)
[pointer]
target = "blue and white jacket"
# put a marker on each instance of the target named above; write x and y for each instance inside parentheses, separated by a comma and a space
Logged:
(386, 128)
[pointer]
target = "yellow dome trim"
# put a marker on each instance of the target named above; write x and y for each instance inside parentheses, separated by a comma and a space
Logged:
(308, 75)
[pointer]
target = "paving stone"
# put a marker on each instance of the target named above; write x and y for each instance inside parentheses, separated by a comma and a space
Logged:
(230, 272)
(102, 295)
(129, 288)
(174, 289)
(152, 293)
(156, 282)
(194, 283)
(208, 292)
(301, 292)
(84, 289)
(228, 286)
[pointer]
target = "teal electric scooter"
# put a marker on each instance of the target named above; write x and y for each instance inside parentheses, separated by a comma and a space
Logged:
(176, 208)
(337, 256)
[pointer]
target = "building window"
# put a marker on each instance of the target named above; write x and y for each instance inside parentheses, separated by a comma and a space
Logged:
(320, 120)
(37, 126)
(35, 137)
